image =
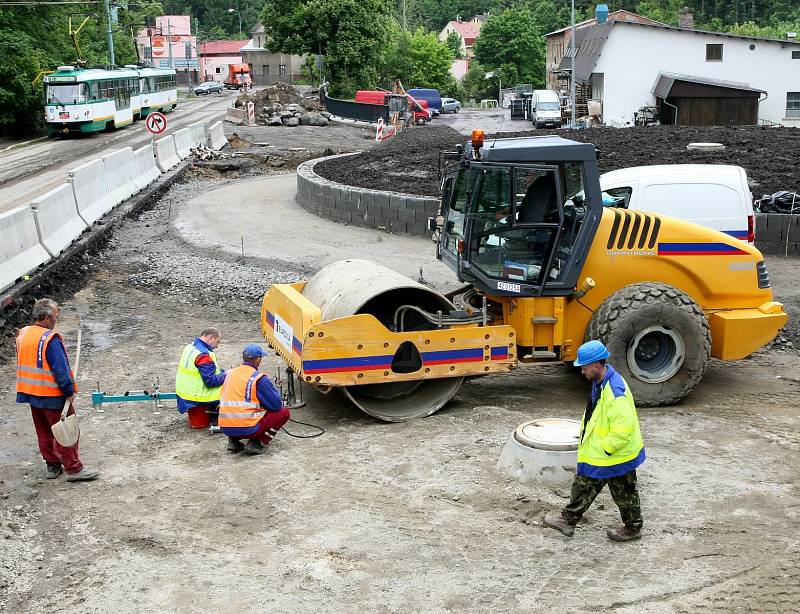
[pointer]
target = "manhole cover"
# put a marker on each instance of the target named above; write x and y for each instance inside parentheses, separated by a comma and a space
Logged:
(558, 434)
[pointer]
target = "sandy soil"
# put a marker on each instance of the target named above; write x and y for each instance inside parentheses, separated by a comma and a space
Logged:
(376, 517)
(409, 162)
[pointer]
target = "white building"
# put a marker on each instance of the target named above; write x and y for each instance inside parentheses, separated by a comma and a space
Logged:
(694, 77)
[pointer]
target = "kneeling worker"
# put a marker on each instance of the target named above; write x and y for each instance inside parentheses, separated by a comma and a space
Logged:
(610, 448)
(250, 406)
(199, 381)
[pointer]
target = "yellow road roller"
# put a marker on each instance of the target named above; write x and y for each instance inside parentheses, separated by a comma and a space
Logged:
(545, 266)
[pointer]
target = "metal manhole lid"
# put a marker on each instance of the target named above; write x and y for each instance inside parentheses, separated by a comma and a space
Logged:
(558, 434)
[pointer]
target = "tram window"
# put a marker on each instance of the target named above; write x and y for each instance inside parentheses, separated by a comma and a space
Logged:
(73, 93)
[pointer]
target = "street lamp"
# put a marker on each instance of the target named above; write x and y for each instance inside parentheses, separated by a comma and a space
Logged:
(240, 21)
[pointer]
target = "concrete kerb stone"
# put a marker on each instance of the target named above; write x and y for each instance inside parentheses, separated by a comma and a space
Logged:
(21, 251)
(147, 170)
(183, 143)
(393, 211)
(216, 136)
(119, 171)
(57, 221)
(91, 191)
(166, 153)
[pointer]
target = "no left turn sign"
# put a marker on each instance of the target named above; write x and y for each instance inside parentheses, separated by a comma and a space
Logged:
(156, 123)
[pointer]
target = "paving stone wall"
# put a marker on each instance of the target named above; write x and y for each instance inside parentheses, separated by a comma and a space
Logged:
(778, 234)
(390, 211)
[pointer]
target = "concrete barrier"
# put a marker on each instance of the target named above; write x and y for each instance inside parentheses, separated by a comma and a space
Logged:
(20, 250)
(57, 221)
(146, 169)
(198, 130)
(166, 155)
(216, 136)
(119, 170)
(235, 116)
(91, 191)
(183, 143)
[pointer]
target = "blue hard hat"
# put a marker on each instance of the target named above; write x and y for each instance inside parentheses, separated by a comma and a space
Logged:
(590, 352)
(253, 350)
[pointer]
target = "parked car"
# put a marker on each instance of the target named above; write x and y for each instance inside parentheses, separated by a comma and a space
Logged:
(712, 195)
(432, 96)
(208, 87)
(450, 105)
(546, 109)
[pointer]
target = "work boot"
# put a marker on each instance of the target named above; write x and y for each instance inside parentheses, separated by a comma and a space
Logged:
(254, 447)
(234, 445)
(214, 429)
(624, 533)
(84, 475)
(559, 523)
(54, 470)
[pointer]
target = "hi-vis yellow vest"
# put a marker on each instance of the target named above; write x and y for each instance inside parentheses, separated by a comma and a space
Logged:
(612, 436)
(188, 381)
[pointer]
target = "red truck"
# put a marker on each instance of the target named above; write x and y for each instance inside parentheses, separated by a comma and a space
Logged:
(422, 114)
(238, 77)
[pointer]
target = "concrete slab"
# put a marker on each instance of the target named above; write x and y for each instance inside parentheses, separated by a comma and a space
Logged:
(264, 212)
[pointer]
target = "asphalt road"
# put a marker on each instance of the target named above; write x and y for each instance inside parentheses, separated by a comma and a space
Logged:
(29, 170)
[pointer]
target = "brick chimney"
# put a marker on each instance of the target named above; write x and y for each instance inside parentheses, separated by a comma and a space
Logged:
(685, 18)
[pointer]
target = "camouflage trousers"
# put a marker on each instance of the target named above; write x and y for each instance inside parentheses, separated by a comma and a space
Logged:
(622, 489)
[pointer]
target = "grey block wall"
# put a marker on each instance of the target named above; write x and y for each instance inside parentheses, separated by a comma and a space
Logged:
(389, 211)
(778, 234)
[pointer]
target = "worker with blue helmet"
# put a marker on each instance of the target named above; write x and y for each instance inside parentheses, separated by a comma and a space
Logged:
(610, 448)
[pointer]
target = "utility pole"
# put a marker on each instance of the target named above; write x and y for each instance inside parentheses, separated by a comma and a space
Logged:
(110, 33)
(572, 72)
(169, 42)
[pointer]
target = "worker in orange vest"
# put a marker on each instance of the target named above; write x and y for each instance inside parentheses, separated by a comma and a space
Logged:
(250, 407)
(46, 382)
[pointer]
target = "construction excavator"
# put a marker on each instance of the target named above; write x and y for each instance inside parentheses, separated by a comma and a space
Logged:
(545, 266)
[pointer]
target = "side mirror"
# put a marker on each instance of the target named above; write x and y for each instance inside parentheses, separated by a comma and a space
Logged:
(447, 188)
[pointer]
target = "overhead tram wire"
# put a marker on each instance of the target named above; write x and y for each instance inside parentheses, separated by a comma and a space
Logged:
(45, 2)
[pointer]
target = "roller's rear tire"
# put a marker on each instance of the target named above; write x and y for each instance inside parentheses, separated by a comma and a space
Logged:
(659, 340)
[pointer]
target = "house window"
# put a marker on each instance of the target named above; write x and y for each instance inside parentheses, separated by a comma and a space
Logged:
(792, 104)
(713, 53)
(796, 55)
(265, 69)
(218, 70)
(282, 69)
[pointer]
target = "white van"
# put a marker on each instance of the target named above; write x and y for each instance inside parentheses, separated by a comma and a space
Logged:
(546, 109)
(712, 195)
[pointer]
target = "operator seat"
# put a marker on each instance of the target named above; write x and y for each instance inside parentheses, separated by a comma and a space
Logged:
(539, 201)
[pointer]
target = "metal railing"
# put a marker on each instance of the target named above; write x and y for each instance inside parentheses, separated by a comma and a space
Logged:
(355, 110)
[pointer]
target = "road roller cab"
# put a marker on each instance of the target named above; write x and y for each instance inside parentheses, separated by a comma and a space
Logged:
(546, 266)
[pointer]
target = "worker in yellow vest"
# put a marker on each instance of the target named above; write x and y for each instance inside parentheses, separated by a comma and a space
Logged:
(610, 448)
(199, 380)
(250, 406)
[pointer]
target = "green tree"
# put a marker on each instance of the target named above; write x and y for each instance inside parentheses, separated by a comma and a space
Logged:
(475, 85)
(454, 42)
(419, 59)
(353, 36)
(20, 100)
(511, 46)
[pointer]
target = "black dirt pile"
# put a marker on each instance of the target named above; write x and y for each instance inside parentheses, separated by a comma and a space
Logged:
(409, 161)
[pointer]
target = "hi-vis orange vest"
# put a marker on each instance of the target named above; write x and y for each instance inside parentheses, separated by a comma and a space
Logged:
(238, 403)
(33, 371)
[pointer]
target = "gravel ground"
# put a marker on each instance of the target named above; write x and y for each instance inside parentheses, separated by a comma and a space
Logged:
(376, 517)
(409, 161)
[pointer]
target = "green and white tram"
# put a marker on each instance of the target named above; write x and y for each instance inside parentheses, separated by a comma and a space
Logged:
(93, 99)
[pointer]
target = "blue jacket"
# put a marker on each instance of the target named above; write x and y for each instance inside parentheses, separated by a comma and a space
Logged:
(270, 399)
(57, 357)
(207, 370)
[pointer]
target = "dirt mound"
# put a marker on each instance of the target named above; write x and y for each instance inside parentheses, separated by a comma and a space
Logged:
(409, 161)
(282, 93)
